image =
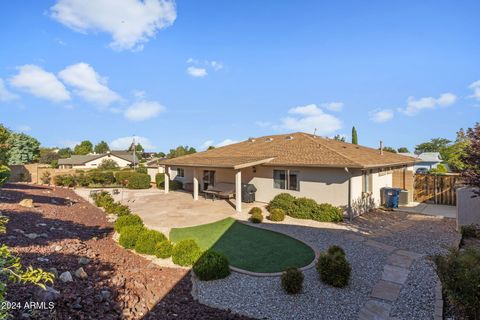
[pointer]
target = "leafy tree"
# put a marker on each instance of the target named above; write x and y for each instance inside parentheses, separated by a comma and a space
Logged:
(403, 150)
(65, 153)
(160, 155)
(102, 147)
(339, 138)
(47, 155)
(354, 136)
(434, 145)
(23, 149)
(452, 154)
(471, 158)
(180, 151)
(211, 148)
(138, 148)
(85, 147)
(440, 169)
(4, 135)
(389, 149)
(108, 164)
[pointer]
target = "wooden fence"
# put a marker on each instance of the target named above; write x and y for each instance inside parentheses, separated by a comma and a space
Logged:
(437, 189)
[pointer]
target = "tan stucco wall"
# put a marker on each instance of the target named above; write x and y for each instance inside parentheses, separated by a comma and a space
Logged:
(468, 207)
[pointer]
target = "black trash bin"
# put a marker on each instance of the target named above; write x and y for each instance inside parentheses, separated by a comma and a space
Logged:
(248, 192)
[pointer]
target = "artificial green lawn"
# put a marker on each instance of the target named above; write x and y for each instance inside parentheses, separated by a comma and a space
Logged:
(247, 247)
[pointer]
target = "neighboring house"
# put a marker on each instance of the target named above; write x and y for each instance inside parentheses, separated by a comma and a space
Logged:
(90, 161)
(427, 160)
(153, 167)
(304, 165)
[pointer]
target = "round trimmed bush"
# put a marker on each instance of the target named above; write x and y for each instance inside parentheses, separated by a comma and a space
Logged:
(147, 241)
(212, 265)
(139, 181)
(276, 214)
(163, 249)
(336, 249)
(127, 220)
(292, 280)
(283, 201)
(334, 269)
(129, 236)
(256, 217)
(329, 213)
(255, 210)
(186, 252)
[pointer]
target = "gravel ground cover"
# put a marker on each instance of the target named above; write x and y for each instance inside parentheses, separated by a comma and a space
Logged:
(263, 296)
(65, 232)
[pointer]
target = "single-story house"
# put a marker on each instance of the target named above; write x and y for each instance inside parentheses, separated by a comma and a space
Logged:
(90, 161)
(427, 160)
(304, 165)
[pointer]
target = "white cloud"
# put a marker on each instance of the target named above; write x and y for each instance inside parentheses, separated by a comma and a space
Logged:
(197, 72)
(88, 84)
(380, 116)
(206, 144)
(143, 110)
(5, 94)
(310, 117)
(131, 23)
(225, 142)
(124, 143)
(216, 65)
(333, 106)
(40, 83)
(475, 86)
(414, 106)
(24, 128)
(139, 94)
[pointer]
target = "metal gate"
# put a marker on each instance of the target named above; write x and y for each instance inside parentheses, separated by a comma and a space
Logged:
(438, 189)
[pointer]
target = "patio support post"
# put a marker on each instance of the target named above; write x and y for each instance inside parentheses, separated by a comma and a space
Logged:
(195, 184)
(238, 191)
(167, 179)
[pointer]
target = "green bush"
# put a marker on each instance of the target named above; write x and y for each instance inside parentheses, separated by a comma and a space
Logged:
(334, 268)
(173, 185)
(284, 201)
(256, 217)
(470, 231)
(4, 174)
(101, 177)
(108, 164)
(122, 177)
(212, 265)
(329, 213)
(336, 249)
(186, 252)
(117, 208)
(139, 181)
(459, 272)
(102, 199)
(276, 214)
(160, 180)
(147, 241)
(45, 178)
(305, 208)
(127, 220)
(129, 235)
(83, 179)
(141, 170)
(163, 249)
(292, 280)
(64, 180)
(256, 210)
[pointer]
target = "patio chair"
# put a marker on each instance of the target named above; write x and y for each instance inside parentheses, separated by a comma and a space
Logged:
(220, 190)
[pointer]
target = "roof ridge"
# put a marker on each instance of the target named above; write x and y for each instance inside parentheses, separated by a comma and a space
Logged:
(335, 151)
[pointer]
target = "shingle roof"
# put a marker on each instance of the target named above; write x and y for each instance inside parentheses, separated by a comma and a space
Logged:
(296, 149)
(82, 159)
(425, 156)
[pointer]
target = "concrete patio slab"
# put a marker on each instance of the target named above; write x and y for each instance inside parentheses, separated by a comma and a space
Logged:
(395, 274)
(430, 209)
(375, 310)
(386, 290)
(398, 260)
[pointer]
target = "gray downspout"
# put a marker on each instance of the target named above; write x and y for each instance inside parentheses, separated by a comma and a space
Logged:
(349, 202)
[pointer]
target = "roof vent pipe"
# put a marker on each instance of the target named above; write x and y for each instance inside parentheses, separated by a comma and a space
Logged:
(268, 139)
(381, 147)
(289, 138)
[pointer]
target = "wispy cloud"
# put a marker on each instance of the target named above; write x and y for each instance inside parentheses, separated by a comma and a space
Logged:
(5, 94)
(143, 110)
(333, 106)
(381, 115)
(309, 118)
(197, 72)
(475, 86)
(124, 143)
(200, 69)
(416, 105)
(40, 83)
(131, 23)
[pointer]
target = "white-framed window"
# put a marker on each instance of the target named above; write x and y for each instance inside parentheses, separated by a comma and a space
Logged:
(366, 181)
(180, 172)
(286, 180)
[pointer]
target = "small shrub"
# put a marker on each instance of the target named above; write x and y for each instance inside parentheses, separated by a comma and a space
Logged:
(212, 265)
(101, 177)
(147, 241)
(122, 177)
(46, 177)
(276, 214)
(334, 268)
(292, 280)
(459, 272)
(256, 217)
(256, 210)
(141, 169)
(173, 185)
(108, 164)
(336, 250)
(117, 208)
(64, 180)
(127, 220)
(102, 199)
(139, 181)
(470, 231)
(329, 213)
(25, 177)
(4, 174)
(186, 252)
(83, 179)
(305, 208)
(163, 249)
(129, 235)
(160, 180)
(283, 201)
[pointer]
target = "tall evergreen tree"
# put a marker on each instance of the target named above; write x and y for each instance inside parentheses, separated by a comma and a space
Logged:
(354, 135)
(22, 149)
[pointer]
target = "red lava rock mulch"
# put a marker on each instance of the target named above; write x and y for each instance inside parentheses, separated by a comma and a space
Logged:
(65, 232)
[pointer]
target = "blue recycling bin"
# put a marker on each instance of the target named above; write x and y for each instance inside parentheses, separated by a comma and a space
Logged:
(391, 196)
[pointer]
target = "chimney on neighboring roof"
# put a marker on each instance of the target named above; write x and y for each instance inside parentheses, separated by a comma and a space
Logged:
(381, 147)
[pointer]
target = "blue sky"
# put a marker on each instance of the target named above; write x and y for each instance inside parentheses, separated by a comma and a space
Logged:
(212, 72)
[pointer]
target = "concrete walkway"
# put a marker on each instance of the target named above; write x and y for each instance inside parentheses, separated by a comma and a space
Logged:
(430, 209)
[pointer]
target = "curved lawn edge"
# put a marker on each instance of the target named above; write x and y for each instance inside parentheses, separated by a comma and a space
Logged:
(276, 274)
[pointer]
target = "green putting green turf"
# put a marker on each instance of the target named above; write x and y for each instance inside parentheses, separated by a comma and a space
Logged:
(248, 247)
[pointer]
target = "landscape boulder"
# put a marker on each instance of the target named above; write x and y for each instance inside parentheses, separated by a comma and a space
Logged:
(27, 203)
